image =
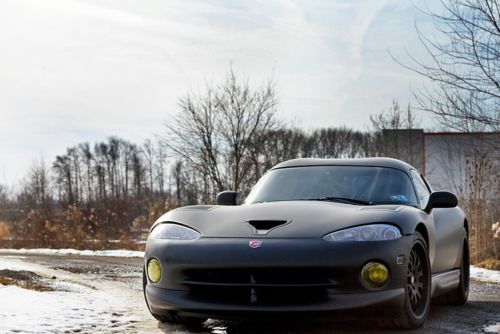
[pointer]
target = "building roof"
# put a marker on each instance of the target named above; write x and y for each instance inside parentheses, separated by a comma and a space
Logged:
(373, 162)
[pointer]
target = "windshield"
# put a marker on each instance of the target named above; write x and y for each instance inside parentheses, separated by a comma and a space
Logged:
(349, 184)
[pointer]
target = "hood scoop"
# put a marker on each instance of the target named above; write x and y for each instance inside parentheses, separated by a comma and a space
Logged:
(261, 227)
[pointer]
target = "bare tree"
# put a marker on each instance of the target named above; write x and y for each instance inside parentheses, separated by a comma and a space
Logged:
(332, 142)
(4, 196)
(100, 152)
(74, 156)
(64, 177)
(217, 132)
(464, 65)
(280, 145)
(128, 150)
(394, 118)
(114, 155)
(192, 134)
(138, 171)
(87, 158)
(245, 116)
(36, 191)
(148, 150)
(177, 175)
(391, 141)
(160, 166)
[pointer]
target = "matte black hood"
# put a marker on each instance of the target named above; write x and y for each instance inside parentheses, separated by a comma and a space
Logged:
(306, 219)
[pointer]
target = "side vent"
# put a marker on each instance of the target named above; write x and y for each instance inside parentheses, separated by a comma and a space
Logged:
(264, 226)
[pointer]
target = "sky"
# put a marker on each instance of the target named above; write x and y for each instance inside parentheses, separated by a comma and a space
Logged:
(73, 71)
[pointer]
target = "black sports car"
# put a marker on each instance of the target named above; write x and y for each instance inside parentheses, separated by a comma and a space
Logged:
(321, 237)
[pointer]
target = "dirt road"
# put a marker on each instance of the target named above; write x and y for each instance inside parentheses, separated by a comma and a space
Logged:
(104, 294)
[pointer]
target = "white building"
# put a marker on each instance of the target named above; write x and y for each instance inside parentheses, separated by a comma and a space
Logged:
(467, 164)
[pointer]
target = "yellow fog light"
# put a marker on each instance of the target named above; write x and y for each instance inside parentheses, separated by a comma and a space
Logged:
(374, 274)
(154, 270)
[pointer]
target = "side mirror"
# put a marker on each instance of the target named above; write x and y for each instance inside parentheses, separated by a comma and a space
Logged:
(441, 199)
(226, 198)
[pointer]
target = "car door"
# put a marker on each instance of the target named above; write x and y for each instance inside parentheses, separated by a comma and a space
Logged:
(449, 233)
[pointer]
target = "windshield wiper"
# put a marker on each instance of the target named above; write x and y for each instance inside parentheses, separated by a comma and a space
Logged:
(339, 199)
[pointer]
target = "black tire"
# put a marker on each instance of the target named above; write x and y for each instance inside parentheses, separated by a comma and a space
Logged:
(460, 294)
(169, 317)
(174, 319)
(417, 286)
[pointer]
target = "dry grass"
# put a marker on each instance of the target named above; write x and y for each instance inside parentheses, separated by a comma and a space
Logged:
(491, 264)
(4, 230)
(6, 281)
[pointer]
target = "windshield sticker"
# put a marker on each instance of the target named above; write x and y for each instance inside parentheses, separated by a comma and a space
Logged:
(399, 198)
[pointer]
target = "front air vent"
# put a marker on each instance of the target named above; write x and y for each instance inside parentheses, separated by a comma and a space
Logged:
(264, 226)
(262, 286)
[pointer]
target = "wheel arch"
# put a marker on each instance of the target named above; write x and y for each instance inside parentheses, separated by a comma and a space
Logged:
(422, 229)
(429, 239)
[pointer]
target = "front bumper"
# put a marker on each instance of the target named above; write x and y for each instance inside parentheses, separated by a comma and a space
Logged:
(206, 277)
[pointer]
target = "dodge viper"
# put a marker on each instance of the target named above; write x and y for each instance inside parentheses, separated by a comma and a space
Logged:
(314, 237)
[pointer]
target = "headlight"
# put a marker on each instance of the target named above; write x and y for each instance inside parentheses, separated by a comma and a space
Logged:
(375, 232)
(173, 231)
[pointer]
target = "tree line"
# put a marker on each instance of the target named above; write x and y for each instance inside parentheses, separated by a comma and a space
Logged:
(227, 138)
(108, 171)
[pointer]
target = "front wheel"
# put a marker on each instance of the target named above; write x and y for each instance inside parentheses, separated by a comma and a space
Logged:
(417, 286)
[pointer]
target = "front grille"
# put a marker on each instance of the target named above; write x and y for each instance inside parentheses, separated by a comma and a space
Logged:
(262, 286)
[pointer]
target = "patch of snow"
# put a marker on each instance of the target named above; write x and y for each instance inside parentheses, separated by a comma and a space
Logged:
(68, 286)
(484, 275)
(14, 256)
(31, 311)
(79, 304)
(12, 265)
(69, 251)
(493, 328)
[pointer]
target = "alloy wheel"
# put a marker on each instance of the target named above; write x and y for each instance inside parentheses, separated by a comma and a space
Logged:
(418, 282)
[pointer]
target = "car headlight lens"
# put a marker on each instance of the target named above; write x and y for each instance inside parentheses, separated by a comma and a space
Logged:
(173, 231)
(374, 232)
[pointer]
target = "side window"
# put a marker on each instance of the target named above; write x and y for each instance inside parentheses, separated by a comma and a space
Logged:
(421, 188)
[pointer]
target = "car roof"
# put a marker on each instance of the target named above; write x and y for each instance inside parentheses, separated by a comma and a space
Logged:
(373, 162)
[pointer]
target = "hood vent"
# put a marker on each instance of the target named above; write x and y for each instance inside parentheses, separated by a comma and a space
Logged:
(264, 226)
(197, 208)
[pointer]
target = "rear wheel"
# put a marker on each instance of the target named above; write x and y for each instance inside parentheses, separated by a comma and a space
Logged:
(169, 317)
(460, 294)
(417, 286)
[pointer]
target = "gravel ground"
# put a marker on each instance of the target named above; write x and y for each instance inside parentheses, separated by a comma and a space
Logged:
(106, 296)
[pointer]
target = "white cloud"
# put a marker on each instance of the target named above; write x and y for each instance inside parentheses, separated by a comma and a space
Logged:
(367, 13)
(80, 70)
